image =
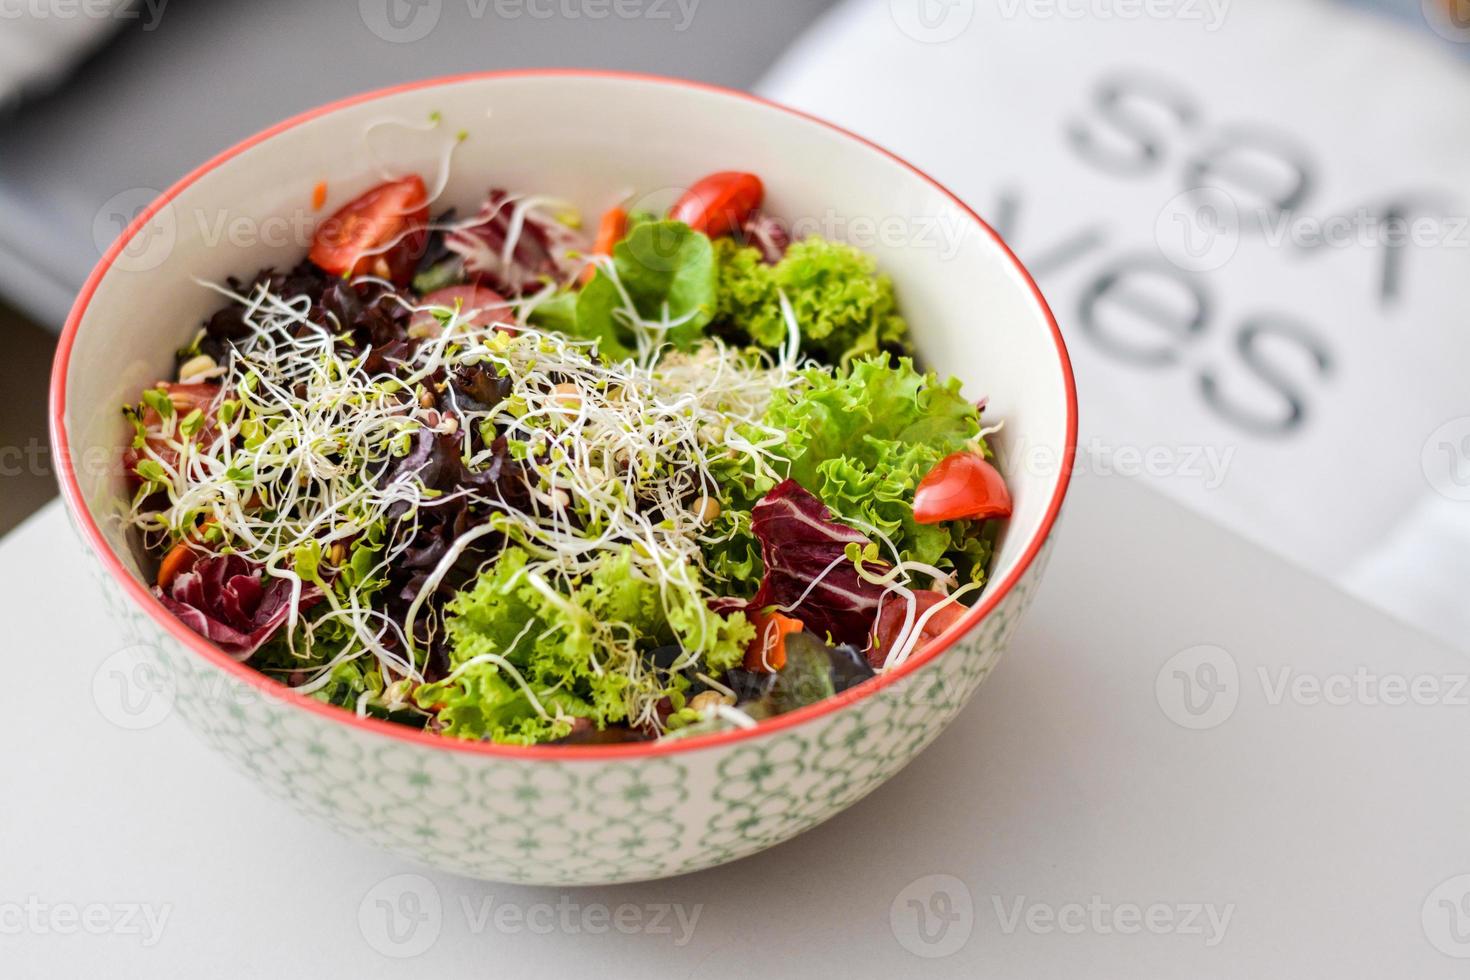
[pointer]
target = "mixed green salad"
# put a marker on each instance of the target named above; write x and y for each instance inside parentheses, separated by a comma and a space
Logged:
(501, 478)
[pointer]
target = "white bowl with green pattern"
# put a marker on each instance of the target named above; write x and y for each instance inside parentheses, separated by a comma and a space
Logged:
(566, 814)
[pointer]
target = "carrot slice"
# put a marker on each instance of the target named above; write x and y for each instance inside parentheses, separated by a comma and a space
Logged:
(610, 231)
(181, 557)
(767, 652)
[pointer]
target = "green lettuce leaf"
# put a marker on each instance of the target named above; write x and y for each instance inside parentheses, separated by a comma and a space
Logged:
(667, 272)
(807, 676)
(844, 307)
(557, 313)
(861, 440)
(551, 642)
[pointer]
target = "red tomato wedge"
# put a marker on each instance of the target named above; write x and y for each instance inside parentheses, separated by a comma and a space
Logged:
(185, 398)
(961, 485)
(380, 233)
(487, 306)
(719, 204)
(895, 609)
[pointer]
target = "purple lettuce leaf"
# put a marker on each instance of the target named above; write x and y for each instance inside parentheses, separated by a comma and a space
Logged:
(228, 601)
(799, 541)
(765, 233)
(540, 252)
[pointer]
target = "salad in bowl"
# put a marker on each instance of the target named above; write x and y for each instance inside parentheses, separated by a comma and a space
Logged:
(565, 497)
(525, 476)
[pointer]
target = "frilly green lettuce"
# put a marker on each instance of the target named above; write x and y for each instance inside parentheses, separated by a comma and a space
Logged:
(845, 308)
(551, 642)
(861, 440)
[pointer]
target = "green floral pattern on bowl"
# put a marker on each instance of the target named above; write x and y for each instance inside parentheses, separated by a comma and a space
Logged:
(557, 822)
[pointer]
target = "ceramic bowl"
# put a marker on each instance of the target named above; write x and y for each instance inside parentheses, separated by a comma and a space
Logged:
(565, 815)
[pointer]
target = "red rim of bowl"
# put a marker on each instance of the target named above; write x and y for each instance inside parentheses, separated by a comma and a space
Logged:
(71, 492)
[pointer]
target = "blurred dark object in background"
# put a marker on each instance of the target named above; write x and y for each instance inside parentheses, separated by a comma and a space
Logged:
(182, 81)
(26, 477)
(41, 42)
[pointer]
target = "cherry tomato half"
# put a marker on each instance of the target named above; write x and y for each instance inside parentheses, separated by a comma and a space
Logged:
(890, 622)
(719, 204)
(479, 307)
(185, 398)
(961, 485)
(380, 233)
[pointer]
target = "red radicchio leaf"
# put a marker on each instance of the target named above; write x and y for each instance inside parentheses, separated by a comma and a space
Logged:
(799, 539)
(540, 251)
(723, 605)
(765, 233)
(228, 601)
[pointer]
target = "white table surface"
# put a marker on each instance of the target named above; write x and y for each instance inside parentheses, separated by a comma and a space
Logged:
(1322, 830)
